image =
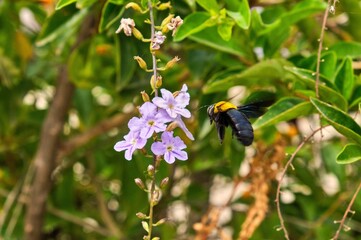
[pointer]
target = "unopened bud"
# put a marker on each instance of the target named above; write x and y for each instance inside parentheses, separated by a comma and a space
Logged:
(134, 6)
(156, 197)
(164, 182)
(152, 83)
(164, 6)
(142, 64)
(165, 22)
(145, 96)
(139, 183)
(150, 170)
(141, 215)
(171, 63)
(172, 126)
(176, 93)
(137, 34)
(158, 82)
(160, 222)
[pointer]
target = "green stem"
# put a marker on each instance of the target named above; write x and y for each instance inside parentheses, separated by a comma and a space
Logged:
(154, 59)
(152, 201)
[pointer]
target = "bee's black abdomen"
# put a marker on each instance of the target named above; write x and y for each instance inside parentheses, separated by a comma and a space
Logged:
(241, 127)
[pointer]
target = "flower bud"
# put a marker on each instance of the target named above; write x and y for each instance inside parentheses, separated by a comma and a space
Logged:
(152, 83)
(164, 6)
(160, 222)
(158, 82)
(142, 64)
(171, 63)
(164, 182)
(156, 197)
(172, 126)
(145, 96)
(137, 34)
(165, 22)
(141, 215)
(150, 170)
(139, 183)
(134, 6)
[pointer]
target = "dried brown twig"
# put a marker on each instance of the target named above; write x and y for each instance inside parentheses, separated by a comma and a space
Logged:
(348, 210)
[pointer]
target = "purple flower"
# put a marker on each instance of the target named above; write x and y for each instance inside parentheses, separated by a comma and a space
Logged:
(174, 106)
(131, 142)
(171, 147)
(153, 120)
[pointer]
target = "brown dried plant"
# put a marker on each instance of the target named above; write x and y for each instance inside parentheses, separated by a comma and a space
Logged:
(264, 167)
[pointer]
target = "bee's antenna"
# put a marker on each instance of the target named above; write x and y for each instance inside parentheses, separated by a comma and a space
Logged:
(203, 107)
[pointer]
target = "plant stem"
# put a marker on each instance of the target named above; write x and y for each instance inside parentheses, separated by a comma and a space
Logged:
(154, 59)
(152, 200)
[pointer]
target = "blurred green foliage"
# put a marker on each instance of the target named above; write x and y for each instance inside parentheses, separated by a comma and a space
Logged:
(260, 45)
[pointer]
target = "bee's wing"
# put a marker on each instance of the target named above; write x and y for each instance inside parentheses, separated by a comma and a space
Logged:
(256, 109)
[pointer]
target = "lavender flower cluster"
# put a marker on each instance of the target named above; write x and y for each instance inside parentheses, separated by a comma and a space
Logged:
(155, 115)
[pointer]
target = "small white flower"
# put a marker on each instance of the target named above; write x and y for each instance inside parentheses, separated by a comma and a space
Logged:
(158, 39)
(126, 24)
(174, 24)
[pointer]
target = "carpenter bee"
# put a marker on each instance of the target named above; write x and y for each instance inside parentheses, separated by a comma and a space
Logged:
(226, 114)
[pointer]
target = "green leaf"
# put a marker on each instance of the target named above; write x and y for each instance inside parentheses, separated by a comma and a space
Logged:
(116, 2)
(211, 38)
(306, 77)
(356, 97)
(349, 154)
(193, 23)
(347, 49)
(273, 35)
(284, 110)
(210, 5)
(60, 28)
(225, 29)
(111, 13)
(341, 121)
(328, 65)
(63, 3)
(344, 78)
(84, 3)
(243, 16)
(263, 73)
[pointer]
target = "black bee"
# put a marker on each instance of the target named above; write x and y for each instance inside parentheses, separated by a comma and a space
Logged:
(226, 114)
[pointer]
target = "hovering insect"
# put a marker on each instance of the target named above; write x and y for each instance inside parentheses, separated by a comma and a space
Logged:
(226, 114)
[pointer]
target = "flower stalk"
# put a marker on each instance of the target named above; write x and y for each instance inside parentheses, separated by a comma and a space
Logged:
(159, 116)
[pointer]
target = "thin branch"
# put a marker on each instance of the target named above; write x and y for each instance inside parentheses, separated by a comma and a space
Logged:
(348, 210)
(80, 140)
(288, 164)
(320, 46)
(65, 216)
(44, 160)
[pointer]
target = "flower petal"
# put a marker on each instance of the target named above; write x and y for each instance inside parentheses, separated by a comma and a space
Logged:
(181, 155)
(121, 146)
(182, 126)
(158, 148)
(169, 158)
(148, 109)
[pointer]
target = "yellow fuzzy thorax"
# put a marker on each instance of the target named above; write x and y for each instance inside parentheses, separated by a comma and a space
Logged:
(223, 106)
